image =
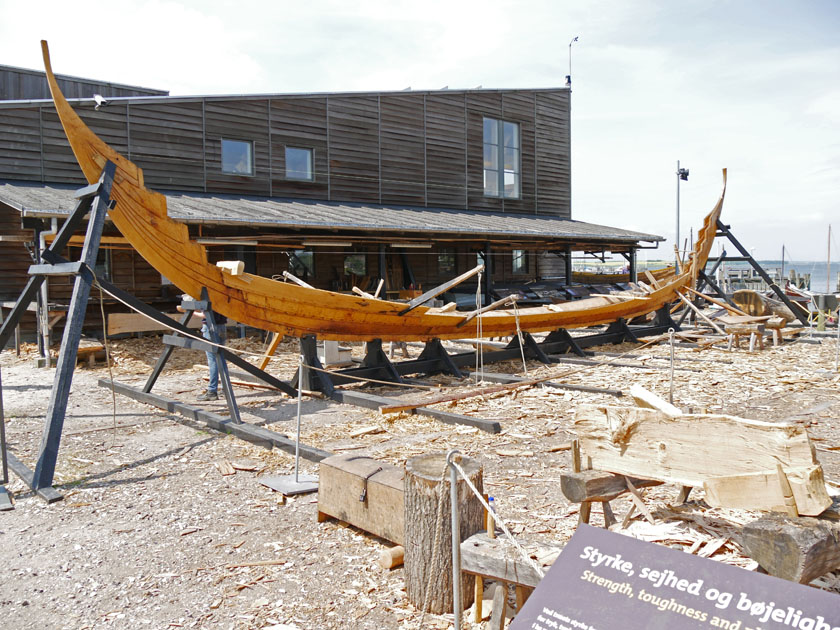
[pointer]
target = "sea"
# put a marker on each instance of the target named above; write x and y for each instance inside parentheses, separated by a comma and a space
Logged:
(819, 271)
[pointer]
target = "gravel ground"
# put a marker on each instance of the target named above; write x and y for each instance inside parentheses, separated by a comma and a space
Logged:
(151, 534)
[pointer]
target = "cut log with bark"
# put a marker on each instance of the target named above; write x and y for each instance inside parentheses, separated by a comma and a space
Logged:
(796, 549)
(692, 449)
(428, 566)
(596, 485)
(764, 491)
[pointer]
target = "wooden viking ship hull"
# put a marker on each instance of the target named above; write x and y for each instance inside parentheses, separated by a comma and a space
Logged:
(141, 216)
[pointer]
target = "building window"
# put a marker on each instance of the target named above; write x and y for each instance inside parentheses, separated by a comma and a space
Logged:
(446, 261)
(502, 171)
(520, 261)
(355, 264)
(237, 157)
(299, 164)
(302, 263)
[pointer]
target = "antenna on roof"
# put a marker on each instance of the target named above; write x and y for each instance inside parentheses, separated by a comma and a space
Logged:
(569, 76)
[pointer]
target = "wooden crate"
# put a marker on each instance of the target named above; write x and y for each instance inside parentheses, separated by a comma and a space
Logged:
(340, 484)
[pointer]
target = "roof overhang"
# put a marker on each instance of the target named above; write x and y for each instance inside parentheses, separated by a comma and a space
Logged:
(369, 221)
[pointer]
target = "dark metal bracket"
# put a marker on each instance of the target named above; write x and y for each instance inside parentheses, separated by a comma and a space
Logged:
(724, 230)
(434, 351)
(531, 348)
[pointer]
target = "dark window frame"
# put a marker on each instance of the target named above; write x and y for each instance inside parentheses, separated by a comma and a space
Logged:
(311, 152)
(494, 153)
(251, 172)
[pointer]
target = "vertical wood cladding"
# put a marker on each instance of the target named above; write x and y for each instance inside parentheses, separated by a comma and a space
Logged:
(237, 120)
(402, 144)
(354, 148)
(15, 258)
(413, 148)
(479, 106)
(167, 142)
(446, 151)
(553, 154)
(299, 122)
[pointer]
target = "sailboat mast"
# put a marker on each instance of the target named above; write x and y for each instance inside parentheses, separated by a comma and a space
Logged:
(828, 263)
(782, 274)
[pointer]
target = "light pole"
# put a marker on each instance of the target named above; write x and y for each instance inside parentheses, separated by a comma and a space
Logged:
(569, 76)
(682, 174)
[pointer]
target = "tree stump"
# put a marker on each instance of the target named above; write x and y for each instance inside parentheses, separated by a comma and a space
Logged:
(424, 481)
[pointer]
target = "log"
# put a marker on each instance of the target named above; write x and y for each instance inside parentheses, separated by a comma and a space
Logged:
(392, 558)
(690, 449)
(763, 491)
(797, 549)
(423, 485)
(596, 485)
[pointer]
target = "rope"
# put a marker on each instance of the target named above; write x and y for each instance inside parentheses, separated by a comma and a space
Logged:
(107, 357)
(519, 336)
(500, 521)
(479, 329)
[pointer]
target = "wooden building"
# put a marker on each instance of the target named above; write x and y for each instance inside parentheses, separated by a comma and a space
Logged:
(341, 189)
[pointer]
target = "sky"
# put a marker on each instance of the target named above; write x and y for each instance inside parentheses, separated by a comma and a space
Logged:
(753, 86)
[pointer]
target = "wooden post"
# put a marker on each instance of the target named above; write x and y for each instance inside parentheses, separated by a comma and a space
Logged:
(425, 478)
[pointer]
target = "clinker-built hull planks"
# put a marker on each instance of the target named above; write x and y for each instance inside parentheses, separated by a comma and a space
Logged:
(141, 216)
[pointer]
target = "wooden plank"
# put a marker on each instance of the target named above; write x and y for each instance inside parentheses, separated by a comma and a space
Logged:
(762, 491)
(119, 323)
(341, 482)
(492, 558)
(648, 400)
(689, 449)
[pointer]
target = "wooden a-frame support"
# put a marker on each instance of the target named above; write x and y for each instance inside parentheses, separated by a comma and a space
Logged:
(95, 200)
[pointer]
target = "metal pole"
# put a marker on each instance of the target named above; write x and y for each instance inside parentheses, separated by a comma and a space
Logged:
(299, 399)
(677, 239)
(671, 338)
(456, 540)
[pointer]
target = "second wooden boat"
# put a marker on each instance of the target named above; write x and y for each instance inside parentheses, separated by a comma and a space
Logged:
(141, 216)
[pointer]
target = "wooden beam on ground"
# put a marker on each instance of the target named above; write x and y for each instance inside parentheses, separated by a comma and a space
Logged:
(370, 401)
(692, 449)
(248, 432)
(797, 549)
(497, 377)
